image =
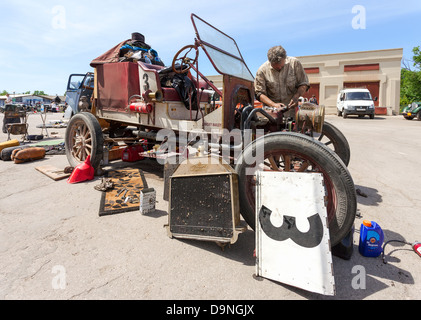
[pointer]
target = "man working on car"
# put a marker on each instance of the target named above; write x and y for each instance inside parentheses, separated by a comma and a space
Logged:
(280, 81)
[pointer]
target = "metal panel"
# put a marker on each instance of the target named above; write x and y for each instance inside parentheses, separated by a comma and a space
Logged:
(116, 83)
(292, 236)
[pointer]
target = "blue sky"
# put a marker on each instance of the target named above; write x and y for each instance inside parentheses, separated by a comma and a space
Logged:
(42, 42)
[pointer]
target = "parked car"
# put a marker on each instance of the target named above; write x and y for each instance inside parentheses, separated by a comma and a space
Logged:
(78, 86)
(355, 102)
(411, 111)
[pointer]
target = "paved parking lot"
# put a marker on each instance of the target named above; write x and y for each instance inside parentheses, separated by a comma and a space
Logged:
(50, 231)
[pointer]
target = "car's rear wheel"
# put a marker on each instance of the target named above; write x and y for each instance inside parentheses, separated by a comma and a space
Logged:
(292, 152)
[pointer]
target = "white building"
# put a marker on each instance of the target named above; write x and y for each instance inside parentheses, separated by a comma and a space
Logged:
(29, 99)
(379, 71)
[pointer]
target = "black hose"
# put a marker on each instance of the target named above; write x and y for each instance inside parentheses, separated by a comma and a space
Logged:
(401, 241)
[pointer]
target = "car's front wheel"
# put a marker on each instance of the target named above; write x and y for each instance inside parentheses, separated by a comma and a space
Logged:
(83, 138)
(333, 138)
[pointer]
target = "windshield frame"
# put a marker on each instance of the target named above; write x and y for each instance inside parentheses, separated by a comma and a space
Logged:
(358, 95)
(210, 50)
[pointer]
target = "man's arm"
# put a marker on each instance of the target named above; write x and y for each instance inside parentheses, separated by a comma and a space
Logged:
(302, 83)
(268, 102)
(300, 92)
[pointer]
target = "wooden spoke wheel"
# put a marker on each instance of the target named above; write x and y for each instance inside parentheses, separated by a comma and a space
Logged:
(84, 137)
(333, 138)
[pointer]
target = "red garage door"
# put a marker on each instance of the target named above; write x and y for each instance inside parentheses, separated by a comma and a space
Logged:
(314, 89)
(373, 87)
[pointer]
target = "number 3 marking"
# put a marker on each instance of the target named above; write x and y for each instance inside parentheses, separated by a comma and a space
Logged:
(288, 230)
(146, 85)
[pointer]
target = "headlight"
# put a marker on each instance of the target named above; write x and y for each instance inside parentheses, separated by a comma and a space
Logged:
(350, 107)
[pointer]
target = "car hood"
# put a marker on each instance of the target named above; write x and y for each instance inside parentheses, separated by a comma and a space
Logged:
(412, 108)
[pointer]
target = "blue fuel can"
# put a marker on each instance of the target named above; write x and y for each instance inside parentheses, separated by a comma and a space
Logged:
(371, 239)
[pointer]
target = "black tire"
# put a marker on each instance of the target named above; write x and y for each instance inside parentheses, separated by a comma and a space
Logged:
(419, 116)
(6, 153)
(84, 137)
(344, 114)
(333, 138)
(372, 116)
(341, 196)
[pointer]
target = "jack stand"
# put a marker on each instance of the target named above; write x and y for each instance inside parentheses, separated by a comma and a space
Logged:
(345, 248)
(44, 118)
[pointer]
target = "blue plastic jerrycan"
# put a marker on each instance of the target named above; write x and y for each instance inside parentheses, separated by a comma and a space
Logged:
(371, 239)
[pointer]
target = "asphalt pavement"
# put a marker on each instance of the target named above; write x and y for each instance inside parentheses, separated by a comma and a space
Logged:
(54, 245)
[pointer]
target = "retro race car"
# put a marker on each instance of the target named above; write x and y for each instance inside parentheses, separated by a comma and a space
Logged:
(132, 97)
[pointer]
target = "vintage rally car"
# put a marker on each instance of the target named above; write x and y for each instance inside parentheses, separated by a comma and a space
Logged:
(412, 111)
(132, 97)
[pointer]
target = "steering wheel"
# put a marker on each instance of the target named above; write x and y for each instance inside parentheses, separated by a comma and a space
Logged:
(181, 62)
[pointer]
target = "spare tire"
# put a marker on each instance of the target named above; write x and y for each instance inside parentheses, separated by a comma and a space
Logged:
(282, 149)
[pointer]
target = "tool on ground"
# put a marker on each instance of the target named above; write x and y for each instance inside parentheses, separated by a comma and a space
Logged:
(416, 246)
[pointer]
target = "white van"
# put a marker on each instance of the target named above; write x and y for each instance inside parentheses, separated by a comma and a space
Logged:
(355, 102)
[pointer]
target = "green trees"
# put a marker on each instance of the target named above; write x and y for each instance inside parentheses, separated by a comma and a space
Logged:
(36, 92)
(411, 80)
(39, 93)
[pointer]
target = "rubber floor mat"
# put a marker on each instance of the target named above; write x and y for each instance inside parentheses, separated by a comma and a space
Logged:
(124, 196)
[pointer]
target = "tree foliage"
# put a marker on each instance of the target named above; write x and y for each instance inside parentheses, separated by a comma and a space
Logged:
(39, 93)
(417, 57)
(411, 80)
(36, 92)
